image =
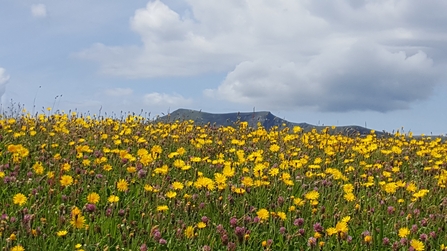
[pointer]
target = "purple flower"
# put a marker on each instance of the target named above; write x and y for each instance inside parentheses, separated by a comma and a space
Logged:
(390, 210)
(423, 237)
(162, 241)
(90, 208)
(301, 231)
(282, 230)
(298, 222)
(433, 234)
(386, 241)
(157, 235)
(280, 200)
(318, 228)
(143, 247)
(224, 239)
(206, 248)
(403, 241)
(109, 212)
(414, 228)
(233, 221)
(205, 219)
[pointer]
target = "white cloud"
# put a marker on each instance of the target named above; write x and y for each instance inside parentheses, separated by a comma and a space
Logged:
(333, 56)
(162, 99)
(4, 79)
(118, 92)
(39, 10)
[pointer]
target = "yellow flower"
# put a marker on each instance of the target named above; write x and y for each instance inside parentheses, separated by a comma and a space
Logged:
(342, 227)
(349, 197)
(348, 188)
(367, 239)
(19, 199)
(299, 202)
(62, 233)
(93, 198)
(274, 148)
(107, 167)
(331, 231)
(122, 185)
(201, 225)
(66, 180)
(189, 232)
(66, 167)
(38, 168)
(13, 237)
(113, 199)
(77, 221)
(404, 232)
(171, 194)
(263, 214)
(162, 208)
(17, 248)
(417, 245)
(177, 185)
(312, 195)
(281, 215)
(346, 219)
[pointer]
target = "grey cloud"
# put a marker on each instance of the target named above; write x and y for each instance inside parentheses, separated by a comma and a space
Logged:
(363, 77)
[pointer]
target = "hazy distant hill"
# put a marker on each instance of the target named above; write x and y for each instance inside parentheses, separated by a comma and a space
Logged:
(267, 119)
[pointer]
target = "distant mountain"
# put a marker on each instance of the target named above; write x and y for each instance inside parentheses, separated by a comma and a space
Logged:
(267, 120)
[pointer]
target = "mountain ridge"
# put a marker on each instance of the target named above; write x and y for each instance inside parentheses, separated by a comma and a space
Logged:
(266, 118)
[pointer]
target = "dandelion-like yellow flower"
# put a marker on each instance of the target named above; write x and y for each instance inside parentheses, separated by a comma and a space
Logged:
(189, 232)
(403, 232)
(312, 195)
(62, 233)
(17, 248)
(113, 199)
(171, 194)
(77, 221)
(201, 225)
(417, 245)
(349, 197)
(177, 185)
(93, 198)
(38, 168)
(107, 167)
(122, 185)
(19, 199)
(281, 215)
(263, 214)
(162, 208)
(66, 180)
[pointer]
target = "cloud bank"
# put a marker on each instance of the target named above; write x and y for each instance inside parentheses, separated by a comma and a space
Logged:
(338, 56)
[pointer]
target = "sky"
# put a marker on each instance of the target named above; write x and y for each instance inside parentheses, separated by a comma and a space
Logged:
(380, 64)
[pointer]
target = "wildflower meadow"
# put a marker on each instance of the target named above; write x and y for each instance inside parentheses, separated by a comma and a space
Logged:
(78, 182)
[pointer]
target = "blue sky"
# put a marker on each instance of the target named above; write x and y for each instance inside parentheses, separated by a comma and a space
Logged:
(342, 62)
